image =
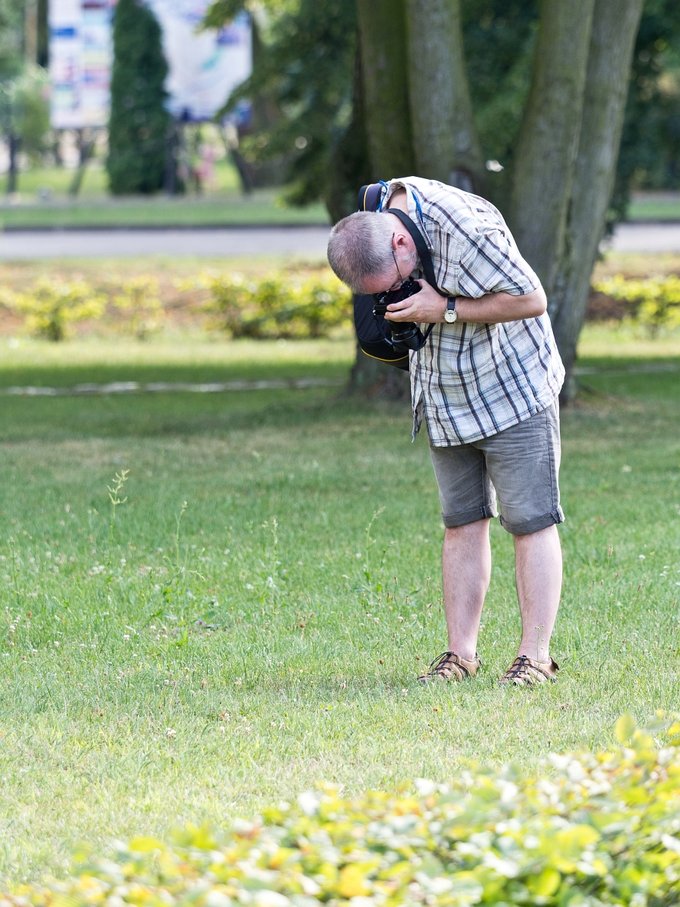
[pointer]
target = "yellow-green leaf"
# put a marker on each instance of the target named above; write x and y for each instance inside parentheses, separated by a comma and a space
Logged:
(545, 883)
(145, 845)
(352, 882)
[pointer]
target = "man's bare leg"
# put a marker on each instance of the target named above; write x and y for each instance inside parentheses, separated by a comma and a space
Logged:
(466, 570)
(538, 575)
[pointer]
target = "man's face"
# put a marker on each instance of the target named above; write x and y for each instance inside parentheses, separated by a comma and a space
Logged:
(382, 283)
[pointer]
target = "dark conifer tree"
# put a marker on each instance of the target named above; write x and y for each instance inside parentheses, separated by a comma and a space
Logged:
(139, 124)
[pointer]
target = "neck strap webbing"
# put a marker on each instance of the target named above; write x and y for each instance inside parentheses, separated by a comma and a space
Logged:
(421, 246)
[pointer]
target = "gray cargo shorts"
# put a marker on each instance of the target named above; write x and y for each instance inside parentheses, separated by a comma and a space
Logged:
(516, 471)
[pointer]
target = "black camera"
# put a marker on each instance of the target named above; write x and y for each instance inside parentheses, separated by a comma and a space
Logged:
(405, 335)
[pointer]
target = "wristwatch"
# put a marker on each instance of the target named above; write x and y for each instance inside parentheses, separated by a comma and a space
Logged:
(450, 315)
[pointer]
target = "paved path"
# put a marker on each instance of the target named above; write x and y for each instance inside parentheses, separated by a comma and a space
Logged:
(301, 242)
(645, 238)
(298, 242)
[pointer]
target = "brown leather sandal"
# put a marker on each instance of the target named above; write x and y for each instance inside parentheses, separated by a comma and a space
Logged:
(525, 672)
(451, 667)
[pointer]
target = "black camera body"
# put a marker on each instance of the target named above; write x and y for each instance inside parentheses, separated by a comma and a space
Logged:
(405, 335)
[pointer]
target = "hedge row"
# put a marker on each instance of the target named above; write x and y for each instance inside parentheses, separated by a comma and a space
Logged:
(594, 829)
(51, 309)
(279, 305)
(653, 302)
(284, 304)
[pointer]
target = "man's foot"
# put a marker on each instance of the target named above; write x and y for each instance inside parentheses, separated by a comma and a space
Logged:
(451, 667)
(525, 672)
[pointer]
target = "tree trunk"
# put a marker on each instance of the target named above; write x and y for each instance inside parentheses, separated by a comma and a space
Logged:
(546, 151)
(382, 27)
(445, 141)
(85, 142)
(615, 25)
(13, 146)
(375, 380)
(349, 167)
(387, 137)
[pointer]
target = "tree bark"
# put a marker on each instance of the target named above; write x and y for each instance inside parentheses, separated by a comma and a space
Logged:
(86, 142)
(349, 164)
(445, 140)
(382, 30)
(615, 25)
(13, 146)
(374, 380)
(546, 151)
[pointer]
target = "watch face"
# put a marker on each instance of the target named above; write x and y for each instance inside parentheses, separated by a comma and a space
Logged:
(449, 316)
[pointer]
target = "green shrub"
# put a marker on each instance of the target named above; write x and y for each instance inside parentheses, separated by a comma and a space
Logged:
(278, 306)
(595, 829)
(654, 302)
(138, 300)
(51, 308)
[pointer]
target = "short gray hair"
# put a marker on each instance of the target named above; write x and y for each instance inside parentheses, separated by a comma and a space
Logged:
(360, 246)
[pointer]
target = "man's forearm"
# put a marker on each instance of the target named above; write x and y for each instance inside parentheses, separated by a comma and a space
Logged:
(495, 308)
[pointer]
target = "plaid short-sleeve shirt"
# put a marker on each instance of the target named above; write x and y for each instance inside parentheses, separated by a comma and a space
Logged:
(471, 381)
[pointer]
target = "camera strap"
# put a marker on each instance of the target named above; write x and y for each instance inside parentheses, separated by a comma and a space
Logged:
(421, 249)
(421, 246)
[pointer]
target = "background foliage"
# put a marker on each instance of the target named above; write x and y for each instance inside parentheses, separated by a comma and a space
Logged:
(310, 87)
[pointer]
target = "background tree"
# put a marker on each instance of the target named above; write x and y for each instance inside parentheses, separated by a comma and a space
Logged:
(300, 89)
(650, 145)
(139, 124)
(32, 111)
(598, 126)
(11, 65)
(11, 37)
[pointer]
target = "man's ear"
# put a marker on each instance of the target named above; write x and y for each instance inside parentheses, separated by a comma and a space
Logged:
(402, 242)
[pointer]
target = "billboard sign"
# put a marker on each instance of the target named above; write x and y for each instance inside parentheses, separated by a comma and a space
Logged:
(204, 66)
(80, 62)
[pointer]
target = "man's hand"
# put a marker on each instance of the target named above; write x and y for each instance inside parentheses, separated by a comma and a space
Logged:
(427, 306)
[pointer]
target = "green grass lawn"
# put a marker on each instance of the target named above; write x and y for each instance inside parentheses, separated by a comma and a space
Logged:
(211, 602)
(44, 202)
(655, 206)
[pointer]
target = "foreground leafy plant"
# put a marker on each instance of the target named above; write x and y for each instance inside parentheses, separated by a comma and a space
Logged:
(596, 829)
